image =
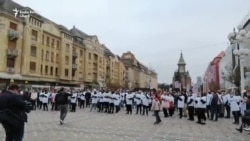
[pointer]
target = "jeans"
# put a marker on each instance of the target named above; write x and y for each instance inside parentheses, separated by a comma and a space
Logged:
(13, 134)
(157, 117)
(191, 112)
(236, 116)
(63, 111)
(214, 112)
(93, 105)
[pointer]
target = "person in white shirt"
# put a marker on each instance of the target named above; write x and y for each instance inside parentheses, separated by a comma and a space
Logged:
(129, 102)
(111, 102)
(226, 103)
(106, 101)
(190, 104)
(100, 104)
(208, 104)
(235, 107)
(145, 103)
(181, 104)
(138, 102)
(171, 105)
(94, 99)
(82, 98)
(117, 100)
(45, 100)
(73, 101)
(165, 103)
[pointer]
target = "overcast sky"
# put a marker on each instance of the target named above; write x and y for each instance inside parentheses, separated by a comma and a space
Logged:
(154, 30)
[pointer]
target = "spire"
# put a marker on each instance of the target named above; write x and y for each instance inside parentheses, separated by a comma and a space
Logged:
(181, 60)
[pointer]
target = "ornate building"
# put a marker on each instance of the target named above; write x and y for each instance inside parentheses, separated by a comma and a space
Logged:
(181, 79)
(138, 75)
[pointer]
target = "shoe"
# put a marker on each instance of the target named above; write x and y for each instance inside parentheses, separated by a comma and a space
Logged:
(61, 122)
(247, 128)
(240, 130)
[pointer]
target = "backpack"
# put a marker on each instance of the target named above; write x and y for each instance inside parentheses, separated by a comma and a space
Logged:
(215, 99)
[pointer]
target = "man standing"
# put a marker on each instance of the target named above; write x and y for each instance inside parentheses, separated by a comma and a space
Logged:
(62, 100)
(13, 113)
(190, 104)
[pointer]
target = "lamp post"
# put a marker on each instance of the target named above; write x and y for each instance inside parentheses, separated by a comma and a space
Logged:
(241, 53)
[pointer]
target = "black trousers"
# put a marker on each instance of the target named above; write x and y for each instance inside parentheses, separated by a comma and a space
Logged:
(129, 109)
(236, 116)
(106, 107)
(145, 110)
(87, 102)
(12, 133)
(33, 102)
(181, 112)
(53, 106)
(157, 117)
(149, 106)
(171, 111)
(111, 107)
(165, 112)
(201, 114)
(73, 107)
(82, 104)
(138, 108)
(45, 106)
(191, 112)
(208, 110)
(228, 109)
(117, 108)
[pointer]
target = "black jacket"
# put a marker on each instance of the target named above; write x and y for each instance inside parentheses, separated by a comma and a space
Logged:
(15, 104)
(62, 98)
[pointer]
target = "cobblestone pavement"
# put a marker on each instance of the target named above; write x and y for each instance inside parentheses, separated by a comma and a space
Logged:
(93, 126)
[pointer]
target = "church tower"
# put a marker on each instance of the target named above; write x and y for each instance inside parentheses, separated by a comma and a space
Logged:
(181, 64)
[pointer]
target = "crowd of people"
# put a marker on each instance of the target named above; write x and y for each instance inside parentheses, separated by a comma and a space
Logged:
(205, 106)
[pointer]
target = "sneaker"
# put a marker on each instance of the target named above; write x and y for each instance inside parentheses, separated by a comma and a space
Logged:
(247, 128)
(61, 122)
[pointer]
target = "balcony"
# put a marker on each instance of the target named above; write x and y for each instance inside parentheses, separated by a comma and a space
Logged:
(10, 70)
(12, 53)
(74, 66)
(74, 55)
(13, 34)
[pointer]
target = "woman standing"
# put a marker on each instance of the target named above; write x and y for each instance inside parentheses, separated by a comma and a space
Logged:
(156, 107)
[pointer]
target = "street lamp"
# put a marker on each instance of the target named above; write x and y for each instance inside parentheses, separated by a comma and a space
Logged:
(242, 52)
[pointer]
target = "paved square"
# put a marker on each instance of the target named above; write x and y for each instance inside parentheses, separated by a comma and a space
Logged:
(93, 126)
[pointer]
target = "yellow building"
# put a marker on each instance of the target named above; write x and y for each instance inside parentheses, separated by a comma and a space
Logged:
(38, 51)
(138, 75)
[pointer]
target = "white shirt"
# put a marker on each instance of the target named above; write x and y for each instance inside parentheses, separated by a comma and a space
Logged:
(138, 99)
(145, 100)
(73, 98)
(225, 98)
(233, 100)
(180, 103)
(82, 96)
(94, 98)
(100, 95)
(190, 98)
(209, 99)
(117, 99)
(46, 98)
(203, 105)
(129, 99)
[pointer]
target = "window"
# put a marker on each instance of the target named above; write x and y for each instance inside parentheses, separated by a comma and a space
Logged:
(32, 66)
(46, 69)
(13, 26)
(52, 57)
(66, 72)
(58, 45)
(67, 47)
(81, 53)
(47, 41)
(41, 69)
(33, 51)
(12, 44)
(51, 70)
(89, 56)
(47, 55)
(67, 60)
(34, 35)
(43, 40)
(57, 58)
(52, 43)
(42, 54)
(10, 63)
(56, 72)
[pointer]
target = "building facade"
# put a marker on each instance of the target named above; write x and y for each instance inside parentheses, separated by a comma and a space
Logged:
(181, 78)
(138, 75)
(37, 51)
(212, 74)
